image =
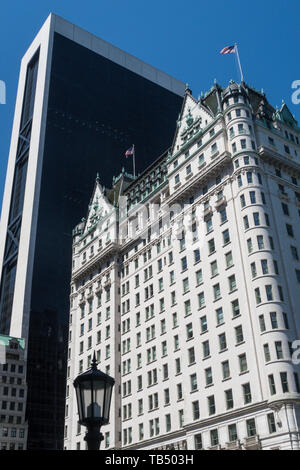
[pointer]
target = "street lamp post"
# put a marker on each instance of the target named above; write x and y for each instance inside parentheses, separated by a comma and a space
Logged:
(93, 392)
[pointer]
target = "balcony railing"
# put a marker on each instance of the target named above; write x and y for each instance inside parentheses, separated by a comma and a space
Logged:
(252, 443)
(234, 445)
(221, 201)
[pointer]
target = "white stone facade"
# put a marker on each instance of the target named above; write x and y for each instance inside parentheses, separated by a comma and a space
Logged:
(190, 296)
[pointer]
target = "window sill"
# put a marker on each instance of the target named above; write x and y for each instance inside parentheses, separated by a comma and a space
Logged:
(208, 386)
(206, 357)
(223, 350)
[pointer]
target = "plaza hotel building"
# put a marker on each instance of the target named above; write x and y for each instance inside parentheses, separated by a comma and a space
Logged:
(186, 284)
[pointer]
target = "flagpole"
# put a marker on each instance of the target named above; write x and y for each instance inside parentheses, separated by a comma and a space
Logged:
(133, 160)
(239, 62)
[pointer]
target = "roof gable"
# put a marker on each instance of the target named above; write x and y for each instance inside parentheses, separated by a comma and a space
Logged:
(284, 115)
(193, 114)
(99, 207)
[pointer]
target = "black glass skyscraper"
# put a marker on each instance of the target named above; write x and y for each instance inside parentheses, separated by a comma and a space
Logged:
(81, 103)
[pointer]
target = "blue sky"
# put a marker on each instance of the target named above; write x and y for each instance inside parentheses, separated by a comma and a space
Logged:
(181, 38)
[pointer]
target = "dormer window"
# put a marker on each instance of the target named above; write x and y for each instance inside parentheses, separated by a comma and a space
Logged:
(278, 172)
(271, 141)
(294, 180)
(214, 148)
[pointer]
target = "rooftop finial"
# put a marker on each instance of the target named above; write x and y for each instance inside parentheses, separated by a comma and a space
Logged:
(94, 362)
(187, 88)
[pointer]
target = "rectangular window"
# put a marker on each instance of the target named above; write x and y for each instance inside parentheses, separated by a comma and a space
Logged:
(247, 393)
(211, 246)
(289, 230)
(251, 427)
(239, 334)
(252, 197)
(232, 283)
(226, 237)
(294, 252)
(278, 348)
(201, 299)
(214, 438)
(223, 216)
(196, 256)
(229, 259)
(222, 342)
(284, 382)
(273, 318)
(214, 268)
(211, 405)
(199, 277)
(232, 433)
(267, 352)
(217, 291)
(243, 363)
(260, 242)
(206, 349)
(256, 219)
(257, 295)
(249, 245)
(198, 442)
(271, 423)
(219, 316)
(193, 379)
(246, 222)
(264, 266)
(203, 324)
(272, 384)
(269, 292)
(225, 370)
(229, 399)
(235, 308)
(208, 376)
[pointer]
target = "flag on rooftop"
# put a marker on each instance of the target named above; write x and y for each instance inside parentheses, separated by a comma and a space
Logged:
(129, 152)
(228, 50)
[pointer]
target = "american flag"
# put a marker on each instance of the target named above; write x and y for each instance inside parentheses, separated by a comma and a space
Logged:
(228, 50)
(129, 152)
